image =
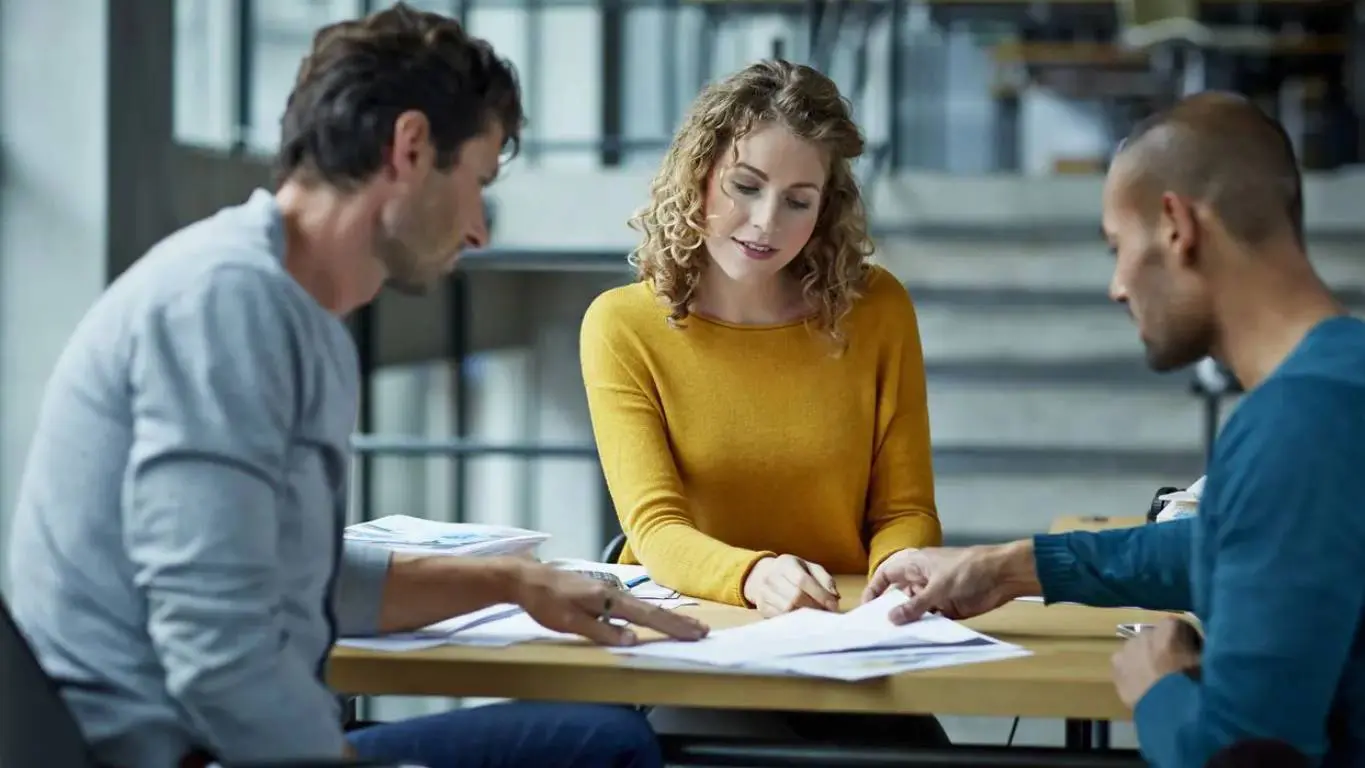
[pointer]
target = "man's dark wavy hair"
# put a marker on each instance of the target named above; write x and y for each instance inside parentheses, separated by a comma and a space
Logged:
(362, 74)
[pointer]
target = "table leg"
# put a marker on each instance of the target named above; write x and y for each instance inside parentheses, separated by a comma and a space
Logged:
(1087, 735)
(1099, 730)
(1078, 736)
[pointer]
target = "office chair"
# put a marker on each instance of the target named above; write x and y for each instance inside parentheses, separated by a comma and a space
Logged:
(614, 548)
(37, 729)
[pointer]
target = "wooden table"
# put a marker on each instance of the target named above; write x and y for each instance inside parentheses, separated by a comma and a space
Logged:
(1095, 523)
(1067, 677)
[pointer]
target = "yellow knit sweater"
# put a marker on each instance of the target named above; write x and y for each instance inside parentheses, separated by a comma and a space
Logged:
(723, 444)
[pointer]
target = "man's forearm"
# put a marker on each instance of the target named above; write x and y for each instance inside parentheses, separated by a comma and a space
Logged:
(422, 590)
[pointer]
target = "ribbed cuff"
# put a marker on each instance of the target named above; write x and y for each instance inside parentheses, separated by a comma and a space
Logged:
(359, 590)
(1056, 566)
(743, 569)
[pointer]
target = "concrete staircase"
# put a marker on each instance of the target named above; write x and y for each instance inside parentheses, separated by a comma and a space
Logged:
(1040, 401)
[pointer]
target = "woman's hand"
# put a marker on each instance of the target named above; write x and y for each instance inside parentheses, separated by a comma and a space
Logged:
(781, 584)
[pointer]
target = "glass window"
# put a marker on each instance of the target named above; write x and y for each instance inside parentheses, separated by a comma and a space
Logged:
(281, 35)
(661, 75)
(563, 84)
(205, 76)
(447, 7)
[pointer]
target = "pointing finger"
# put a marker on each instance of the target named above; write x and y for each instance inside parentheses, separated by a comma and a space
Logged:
(879, 583)
(599, 631)
(676, 625)
(919, 604)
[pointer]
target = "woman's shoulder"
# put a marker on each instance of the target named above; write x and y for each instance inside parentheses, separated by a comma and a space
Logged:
(625, 305)
(884, 297)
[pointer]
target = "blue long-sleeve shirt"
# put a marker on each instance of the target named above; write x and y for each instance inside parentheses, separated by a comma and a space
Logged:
(1274, 567)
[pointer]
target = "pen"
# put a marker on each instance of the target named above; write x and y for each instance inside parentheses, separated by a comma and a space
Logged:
(637, 581)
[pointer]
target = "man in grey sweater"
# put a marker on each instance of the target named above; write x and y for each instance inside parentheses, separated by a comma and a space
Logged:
(176, 550)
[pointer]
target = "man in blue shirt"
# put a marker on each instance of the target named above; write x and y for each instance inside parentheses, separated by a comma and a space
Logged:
(1203, 210)
(177, 549)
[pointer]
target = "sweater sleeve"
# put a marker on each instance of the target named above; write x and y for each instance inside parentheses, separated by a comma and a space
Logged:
(359, 593)
(642, 475)
(901, 512)
(1143, 567)
(214, 384)
(1286, 539)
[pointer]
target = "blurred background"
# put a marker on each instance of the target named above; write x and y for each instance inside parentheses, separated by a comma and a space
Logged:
(989, 126)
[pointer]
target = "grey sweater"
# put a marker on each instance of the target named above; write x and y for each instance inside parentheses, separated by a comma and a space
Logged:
(176, 555)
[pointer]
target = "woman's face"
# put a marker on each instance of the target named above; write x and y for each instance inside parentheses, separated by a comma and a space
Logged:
(762, 200)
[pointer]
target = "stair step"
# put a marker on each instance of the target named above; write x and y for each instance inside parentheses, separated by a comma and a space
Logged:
(1040, 460)
(1051, 267)
(1034, 334)
(974, 507)
(1007, 414)
(1112, 372)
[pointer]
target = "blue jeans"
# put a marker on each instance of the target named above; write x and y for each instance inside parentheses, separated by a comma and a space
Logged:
(517, 734)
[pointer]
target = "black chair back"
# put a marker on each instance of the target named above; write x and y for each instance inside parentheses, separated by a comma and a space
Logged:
(612, 552)
(36, 728)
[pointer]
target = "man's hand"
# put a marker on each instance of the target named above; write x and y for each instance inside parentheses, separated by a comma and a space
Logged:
(959, 583)
(1172, 646)
(567, 602)
(781, 584)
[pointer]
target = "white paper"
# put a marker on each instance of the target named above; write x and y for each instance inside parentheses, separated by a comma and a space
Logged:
(644, 588)
(1181, 503)
(392, 643)
(519, 627)
(809, 632)
(806, 629)
(405, 533)
(853, 666)
(495, 626)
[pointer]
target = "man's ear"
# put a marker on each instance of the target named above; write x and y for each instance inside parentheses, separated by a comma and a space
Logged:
(411, 141)
(1180, 228)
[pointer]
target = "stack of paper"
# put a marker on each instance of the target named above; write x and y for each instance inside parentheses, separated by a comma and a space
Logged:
(1182, 503)
(633, 577)
(413, 534)
(857, 645)
(497, 625)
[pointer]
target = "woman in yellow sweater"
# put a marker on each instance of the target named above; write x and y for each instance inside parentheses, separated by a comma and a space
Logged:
(758, 396)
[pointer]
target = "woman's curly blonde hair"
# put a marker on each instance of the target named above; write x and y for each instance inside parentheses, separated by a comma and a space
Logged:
(832, 268)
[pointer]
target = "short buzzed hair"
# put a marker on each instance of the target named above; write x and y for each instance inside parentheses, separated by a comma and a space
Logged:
(1220, 149)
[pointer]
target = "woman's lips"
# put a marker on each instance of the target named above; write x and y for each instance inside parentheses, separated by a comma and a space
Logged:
(755, 251)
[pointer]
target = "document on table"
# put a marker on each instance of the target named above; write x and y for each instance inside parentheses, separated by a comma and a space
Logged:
(855, 645)
(414, 534)
(497, 626)
(635, 577)
(853, 666)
